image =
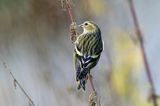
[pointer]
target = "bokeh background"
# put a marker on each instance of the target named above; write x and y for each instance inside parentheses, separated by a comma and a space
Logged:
(35, 44)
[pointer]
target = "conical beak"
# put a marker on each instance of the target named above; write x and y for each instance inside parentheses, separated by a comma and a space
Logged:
(81, 25)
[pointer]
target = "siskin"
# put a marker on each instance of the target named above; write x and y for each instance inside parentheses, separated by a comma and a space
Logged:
(88, 48)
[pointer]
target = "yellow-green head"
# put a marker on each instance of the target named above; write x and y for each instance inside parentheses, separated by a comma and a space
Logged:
(89, 26)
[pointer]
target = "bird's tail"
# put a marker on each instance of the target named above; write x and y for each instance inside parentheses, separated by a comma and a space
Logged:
(81, 77)
(81, 84)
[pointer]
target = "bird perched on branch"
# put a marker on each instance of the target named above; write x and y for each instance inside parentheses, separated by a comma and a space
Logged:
(88, 48)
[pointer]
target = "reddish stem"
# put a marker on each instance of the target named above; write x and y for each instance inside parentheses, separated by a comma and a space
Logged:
(139, 34)
(91, 82)
(70, 12)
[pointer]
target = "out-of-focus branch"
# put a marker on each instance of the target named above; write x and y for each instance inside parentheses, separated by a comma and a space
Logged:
(153, 95)
(16, 83)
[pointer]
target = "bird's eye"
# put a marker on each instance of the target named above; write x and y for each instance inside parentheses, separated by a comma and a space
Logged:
(86, 24)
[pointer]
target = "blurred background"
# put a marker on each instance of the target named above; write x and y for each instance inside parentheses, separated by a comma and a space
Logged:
(35, 43)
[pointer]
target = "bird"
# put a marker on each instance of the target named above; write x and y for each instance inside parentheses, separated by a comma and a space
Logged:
(87, 51)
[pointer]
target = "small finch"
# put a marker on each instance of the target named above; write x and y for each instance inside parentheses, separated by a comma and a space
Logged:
(88, 48)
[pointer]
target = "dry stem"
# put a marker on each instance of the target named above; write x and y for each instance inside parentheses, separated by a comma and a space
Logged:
(16, 83)
(153, 95)
(66, 5)
(73, 32)
(93, 97)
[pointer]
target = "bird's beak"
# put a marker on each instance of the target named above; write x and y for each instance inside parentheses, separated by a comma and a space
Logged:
(81, 25)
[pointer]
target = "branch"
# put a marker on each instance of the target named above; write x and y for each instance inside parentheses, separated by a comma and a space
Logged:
(70, 12)
(93, 97)
(153, 95)
(16, 83)
(66, 5)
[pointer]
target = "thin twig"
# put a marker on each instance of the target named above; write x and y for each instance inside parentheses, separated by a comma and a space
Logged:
(66, 5)
(93, 97)
(70, 12)
(91, 82)
(16, 83)
(153, 95)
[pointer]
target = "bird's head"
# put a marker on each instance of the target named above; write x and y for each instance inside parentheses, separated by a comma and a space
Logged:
(89, 27)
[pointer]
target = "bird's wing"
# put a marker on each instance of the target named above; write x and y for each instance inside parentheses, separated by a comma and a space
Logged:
(89, 44)
(88, 49)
